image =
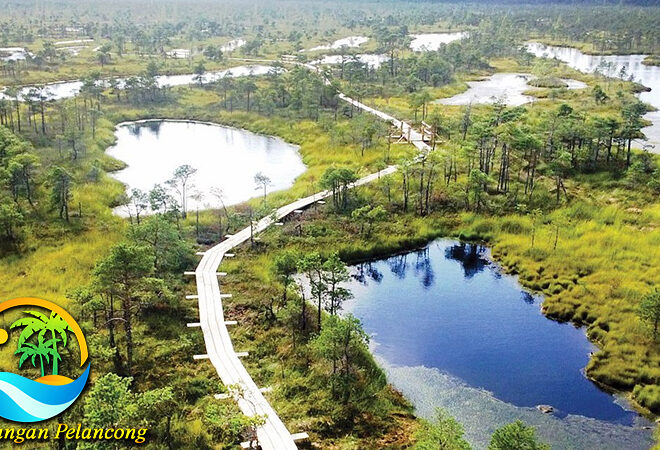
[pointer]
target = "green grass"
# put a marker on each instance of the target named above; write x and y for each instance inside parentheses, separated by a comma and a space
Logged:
(317, 148)
(602, 266)
(594, 277)
(652, 60)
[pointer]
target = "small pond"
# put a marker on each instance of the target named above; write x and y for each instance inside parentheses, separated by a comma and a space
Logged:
(452, 331)
(372, 60)
(349, 42)
(179, 53)
(225, 158)
(419, 43)
(233, 45)
(433, 41)
(67, 89)
(624, 66)
(13, 53)
(508, 87)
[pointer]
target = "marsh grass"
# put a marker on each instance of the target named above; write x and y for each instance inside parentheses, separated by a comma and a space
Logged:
(60, 257)
(605, 260)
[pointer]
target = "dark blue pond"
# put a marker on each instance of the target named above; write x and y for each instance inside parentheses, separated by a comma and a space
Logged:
(447, 307)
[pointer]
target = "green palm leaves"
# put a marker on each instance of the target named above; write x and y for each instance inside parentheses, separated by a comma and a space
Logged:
(29, 350)
(53, 327)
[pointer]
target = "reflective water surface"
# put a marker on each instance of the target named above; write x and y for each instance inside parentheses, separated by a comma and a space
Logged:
(13, 53)
(225, 158)
(624, 66)
(372, 60)
(67, 89)
(419, 43)
(506, 87)
(233, 45)
(350, 42)
(433, 41)
(183, 53)
(452, 331)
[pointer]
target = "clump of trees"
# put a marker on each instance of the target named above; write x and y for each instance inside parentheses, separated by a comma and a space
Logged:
(295, 93)
(339, 182)
(343, 344)
(323, 280)
(135, 276)
(338, 344)
(17, 183)
(515, 436)
(501, 157)
(111, 403)
(27, 192)
(367, 216)
(445, 432)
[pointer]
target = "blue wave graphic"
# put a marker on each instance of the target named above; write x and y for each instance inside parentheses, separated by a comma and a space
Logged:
(25, 400)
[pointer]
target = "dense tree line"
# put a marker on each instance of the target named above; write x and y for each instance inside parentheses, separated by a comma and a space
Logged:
(27, 190)
(608, 27)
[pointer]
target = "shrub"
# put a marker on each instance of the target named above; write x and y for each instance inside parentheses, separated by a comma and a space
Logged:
(444, 432)
(648, 396)
(516, 436)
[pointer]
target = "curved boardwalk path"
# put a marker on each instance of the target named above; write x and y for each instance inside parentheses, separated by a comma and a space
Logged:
(272, 435)
(220, 351)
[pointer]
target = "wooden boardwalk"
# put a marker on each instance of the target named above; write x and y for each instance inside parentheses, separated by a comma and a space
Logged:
(409, 133)
(273, 434)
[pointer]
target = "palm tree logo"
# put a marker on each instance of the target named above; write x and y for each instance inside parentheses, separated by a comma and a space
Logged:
(28, 350)
(44, 331)
(41, 327)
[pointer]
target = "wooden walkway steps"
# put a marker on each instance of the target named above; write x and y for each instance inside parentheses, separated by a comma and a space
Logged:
(272, 435)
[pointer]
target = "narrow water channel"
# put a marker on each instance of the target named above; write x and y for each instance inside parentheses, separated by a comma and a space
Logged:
(68, 89)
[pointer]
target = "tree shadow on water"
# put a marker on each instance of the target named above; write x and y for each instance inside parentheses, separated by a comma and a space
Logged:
(398, 265)
(424, 268)
(470, 256)
(527, 297)
(367, 271)
(136, 129)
